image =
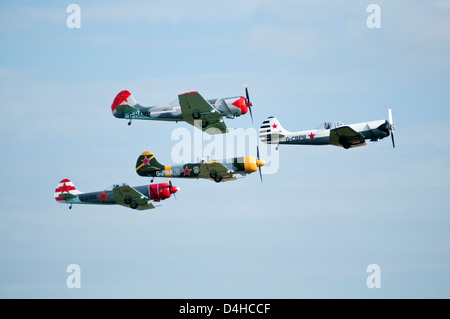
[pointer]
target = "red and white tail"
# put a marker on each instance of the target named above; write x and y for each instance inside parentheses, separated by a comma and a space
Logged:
(123, 98)
(64, 189)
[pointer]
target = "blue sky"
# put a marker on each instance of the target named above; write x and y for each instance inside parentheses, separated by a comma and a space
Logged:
(308, 231)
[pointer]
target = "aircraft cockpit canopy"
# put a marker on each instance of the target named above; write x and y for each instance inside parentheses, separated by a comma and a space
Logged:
(331, 125)
(118, 185)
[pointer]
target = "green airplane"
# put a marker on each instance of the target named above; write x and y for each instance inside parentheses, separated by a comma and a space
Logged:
(147, 165)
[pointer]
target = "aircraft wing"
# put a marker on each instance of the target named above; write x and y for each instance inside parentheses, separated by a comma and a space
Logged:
(149, 205)
(126, 192)
(193, 102)
(125, 108)
(217, 168)
(346, 133)
(219, 125)
(194, 106)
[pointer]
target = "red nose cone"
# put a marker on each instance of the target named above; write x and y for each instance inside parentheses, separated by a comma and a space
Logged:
(242, 104)
(120, 98)
(174, 189)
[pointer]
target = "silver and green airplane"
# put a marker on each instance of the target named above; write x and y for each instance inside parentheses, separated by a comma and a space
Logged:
(147, 165)
(190, 107)
(338, 134)
(138, 197)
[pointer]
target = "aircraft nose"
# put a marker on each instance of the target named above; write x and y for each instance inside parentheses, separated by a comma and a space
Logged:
(242, 104)
(384, 127)
(260, 163)
(174, 189)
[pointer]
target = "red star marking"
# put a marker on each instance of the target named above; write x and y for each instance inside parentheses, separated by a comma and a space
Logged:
(146, 161)
(187, 171)
(120, 98)
(65, 188)
(103, 196)
(274, 125)
(311, 136)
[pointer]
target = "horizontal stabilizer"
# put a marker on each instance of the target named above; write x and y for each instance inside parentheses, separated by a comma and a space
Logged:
(67, 196)
(125, 109)
(149, 169)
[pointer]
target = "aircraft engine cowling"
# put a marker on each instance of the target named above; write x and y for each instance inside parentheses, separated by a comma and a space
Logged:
(161, 191)
(252, 163)
(237, 106)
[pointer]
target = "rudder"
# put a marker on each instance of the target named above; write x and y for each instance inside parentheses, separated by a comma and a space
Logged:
(146, 163)
(271, 130)
(65, 187)
(123, 98)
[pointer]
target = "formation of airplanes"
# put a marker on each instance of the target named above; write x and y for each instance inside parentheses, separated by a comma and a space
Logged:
(208, 115)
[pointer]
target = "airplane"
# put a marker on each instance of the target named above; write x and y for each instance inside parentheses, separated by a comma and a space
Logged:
(147, 165)
(338, 134)
(138, 197)
(191, 106)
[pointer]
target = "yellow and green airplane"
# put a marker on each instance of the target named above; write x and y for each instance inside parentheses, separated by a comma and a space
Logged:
(227, 170)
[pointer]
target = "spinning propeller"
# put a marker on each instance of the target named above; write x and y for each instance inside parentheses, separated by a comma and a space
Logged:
(259, 162)
(173, 189)
(391, 127)
(249, 104)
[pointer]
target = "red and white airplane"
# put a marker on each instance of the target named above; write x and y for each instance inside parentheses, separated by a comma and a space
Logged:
(138, 197)
(191, 107)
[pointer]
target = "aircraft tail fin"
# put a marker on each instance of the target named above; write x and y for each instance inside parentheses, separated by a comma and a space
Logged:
(123, 102)
(147, 163)
(271, 130)
(65, 190)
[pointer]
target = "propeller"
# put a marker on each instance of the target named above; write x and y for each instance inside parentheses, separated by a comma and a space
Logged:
(173, 189)
(259, 162)
(391, 127)
(249, 104)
